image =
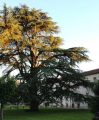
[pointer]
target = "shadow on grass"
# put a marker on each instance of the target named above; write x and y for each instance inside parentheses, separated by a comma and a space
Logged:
(48, 114)
(49, 111)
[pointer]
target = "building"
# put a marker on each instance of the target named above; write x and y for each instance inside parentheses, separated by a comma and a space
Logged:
(92, 76)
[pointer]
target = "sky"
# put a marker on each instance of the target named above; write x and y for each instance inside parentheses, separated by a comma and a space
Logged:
(78, 21)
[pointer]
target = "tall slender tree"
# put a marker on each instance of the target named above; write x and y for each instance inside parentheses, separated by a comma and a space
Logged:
(94, 103)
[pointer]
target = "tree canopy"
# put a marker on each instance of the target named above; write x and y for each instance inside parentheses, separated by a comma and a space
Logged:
(29, 43)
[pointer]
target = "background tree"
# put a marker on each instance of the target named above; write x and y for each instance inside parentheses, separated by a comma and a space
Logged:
(7, 87)
(17, 97)
(30, 45)
(94, 103)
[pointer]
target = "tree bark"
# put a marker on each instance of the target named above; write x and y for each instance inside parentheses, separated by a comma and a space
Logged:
(34, 106)
(1, 112)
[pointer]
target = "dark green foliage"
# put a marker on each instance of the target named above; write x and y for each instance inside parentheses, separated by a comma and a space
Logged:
(94, 104)
(96, 88)
(16, 98)
(7, 88)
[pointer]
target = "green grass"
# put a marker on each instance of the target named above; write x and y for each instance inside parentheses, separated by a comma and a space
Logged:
(48, 114)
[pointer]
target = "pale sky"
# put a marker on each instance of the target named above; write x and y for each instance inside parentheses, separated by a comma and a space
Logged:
(78, 21)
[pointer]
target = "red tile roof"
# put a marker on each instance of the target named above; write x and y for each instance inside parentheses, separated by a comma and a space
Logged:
(91, 72)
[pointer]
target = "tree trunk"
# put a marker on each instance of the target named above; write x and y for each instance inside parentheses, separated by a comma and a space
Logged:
(34, 106)
(1, 112)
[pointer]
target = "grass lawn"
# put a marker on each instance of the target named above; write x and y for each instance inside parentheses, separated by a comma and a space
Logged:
(48, 114)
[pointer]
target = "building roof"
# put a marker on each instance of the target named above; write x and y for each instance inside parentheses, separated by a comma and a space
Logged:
(91, 72)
